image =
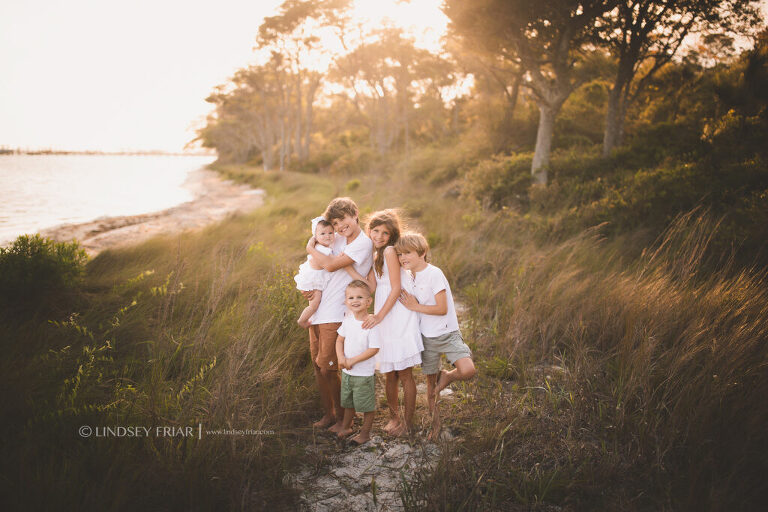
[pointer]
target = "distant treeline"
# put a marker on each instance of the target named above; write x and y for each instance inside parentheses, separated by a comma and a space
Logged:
(631, 113)
(18, 151)
(525, 76)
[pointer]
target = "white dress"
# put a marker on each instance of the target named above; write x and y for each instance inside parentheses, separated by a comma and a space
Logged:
(398, 332)
(308, 278)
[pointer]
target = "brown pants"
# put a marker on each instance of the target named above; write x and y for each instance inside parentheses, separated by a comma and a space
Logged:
(322, 345)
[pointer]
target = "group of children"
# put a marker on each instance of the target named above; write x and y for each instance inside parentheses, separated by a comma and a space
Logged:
(413, 322)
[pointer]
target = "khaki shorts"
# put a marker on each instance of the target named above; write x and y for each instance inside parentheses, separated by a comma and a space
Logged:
(322, 344)
(450, 344)
(358, 393)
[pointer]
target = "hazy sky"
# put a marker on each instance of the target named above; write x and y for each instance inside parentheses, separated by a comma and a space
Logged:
(103, 74)
(115, 75)
(109, 75)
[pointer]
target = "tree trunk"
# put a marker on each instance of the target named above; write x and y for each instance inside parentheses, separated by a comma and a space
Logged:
(455, 118)
(407, 132)
(282, 143)
(267, 149)
(618, 99)
(298, 128)
(513, 96)
(614, 122)
(312, 88)
(544, 134)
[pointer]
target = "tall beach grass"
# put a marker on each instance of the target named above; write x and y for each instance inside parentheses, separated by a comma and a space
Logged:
(614, 373)
(191, 330)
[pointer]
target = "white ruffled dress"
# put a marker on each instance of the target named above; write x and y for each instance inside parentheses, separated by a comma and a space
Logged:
(398, 332)
(308, 278)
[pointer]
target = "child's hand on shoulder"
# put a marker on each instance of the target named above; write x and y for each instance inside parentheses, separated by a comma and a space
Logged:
(371, 321)
(311, 243)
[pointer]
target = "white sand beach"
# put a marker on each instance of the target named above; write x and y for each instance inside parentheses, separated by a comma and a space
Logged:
(214, 199)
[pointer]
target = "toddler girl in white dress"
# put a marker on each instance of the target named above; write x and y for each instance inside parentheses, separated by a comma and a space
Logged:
(311, 276)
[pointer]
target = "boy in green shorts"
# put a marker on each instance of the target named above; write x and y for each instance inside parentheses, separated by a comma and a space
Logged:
(355, 348)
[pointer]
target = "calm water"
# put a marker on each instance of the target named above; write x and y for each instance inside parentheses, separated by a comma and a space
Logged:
(41, 191)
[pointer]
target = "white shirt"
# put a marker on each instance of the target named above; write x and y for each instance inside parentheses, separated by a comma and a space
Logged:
(428, 283)
(356, 341)
(328, 251)
(332, 306)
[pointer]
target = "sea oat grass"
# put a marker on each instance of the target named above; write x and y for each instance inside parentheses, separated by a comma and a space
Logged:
(615, 373)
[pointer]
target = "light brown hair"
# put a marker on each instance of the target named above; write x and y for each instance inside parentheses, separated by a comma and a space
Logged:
(391, 220)
(360, 284)
(339, 208)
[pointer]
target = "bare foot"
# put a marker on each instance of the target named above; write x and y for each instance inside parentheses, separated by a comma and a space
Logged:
(336, 427)
(442, 382)
(400, 430)
(324, 421)
(344, 432)
(360, 438)
(393, 423)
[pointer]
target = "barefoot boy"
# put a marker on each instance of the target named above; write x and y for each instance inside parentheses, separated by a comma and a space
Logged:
(355, 348)
(438, 322)
(351, 248)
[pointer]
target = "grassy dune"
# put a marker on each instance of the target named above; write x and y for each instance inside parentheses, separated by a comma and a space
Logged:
(607, 380)
(175, 332)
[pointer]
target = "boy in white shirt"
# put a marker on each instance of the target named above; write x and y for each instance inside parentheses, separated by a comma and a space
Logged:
(438, 322)
(355, 348)
(352, 248)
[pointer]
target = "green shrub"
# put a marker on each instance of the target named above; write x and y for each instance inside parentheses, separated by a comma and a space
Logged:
(352, 185)
(33, 268)
(500, 181)
(438, 165)
(353, 161)
(580, 121)
(653, 143)
(317, 162)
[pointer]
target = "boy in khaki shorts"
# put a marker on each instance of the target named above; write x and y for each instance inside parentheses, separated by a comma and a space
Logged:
(355, 348)
(352, 248)
(438, 322)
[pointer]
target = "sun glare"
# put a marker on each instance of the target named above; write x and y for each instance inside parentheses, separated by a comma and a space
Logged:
(422, 19)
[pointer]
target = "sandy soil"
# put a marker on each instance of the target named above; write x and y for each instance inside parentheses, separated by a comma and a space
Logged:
(214, 200)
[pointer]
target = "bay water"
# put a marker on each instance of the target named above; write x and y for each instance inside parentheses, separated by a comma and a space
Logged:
(42, 191)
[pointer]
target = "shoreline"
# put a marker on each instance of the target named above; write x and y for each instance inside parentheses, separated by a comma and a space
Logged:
(213, 199)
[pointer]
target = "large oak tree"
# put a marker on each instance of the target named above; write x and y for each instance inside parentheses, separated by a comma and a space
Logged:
(552, 42)
(644, 35)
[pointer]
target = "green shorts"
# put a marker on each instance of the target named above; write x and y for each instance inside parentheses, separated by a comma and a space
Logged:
(451, 344)
(358, 393)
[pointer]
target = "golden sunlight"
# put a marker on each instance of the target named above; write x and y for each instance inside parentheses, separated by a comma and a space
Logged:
(422, 19)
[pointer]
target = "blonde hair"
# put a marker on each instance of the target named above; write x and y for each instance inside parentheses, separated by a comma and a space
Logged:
(412, 242)
(391, 220)
(357, 283)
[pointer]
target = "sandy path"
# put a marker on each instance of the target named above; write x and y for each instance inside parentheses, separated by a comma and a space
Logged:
(214, 200)
(338, 477)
